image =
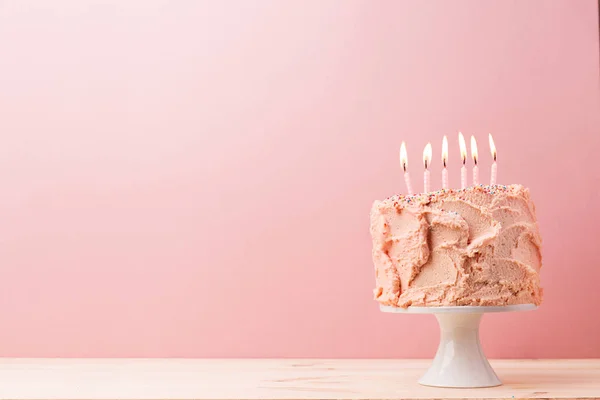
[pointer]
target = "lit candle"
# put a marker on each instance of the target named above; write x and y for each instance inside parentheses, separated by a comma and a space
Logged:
(474, 155)
(427, 154)
(444, 161)
(463, 156)
(404, 164)
(494, 165)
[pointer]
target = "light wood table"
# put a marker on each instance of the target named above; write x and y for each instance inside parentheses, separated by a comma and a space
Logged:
(125, 379)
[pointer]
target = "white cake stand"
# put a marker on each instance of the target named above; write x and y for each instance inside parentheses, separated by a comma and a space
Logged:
(459, 361)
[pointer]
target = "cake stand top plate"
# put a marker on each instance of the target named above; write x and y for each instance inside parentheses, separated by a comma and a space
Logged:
(458, 309)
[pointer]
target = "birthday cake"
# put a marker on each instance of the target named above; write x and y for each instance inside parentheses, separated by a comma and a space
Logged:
(478, 246)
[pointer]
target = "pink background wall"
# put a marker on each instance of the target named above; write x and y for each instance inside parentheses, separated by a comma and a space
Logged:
(194, 178)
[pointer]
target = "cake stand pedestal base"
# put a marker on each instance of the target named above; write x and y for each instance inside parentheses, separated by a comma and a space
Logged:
(459, 361)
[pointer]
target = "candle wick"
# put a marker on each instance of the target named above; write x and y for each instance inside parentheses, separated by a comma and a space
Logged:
(404, 166)
(494, 157)
(425, 164)
(444, 163)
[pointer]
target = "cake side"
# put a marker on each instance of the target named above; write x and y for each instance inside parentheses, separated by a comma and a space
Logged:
(478, 246)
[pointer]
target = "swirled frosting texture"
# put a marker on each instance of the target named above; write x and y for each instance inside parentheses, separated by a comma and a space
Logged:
(478, 246)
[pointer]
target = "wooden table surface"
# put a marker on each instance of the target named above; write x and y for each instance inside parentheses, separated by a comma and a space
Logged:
(281, 379)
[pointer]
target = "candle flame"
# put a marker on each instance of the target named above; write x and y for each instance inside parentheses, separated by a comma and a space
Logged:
(463, 147)
(427, 154)
(403, 157)
(474, 149)
(492, 146)
(444, 151)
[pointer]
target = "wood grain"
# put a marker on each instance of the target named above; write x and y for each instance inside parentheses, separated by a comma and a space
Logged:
(281, 379)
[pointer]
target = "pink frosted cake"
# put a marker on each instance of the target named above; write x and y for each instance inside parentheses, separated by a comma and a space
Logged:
(478, 246)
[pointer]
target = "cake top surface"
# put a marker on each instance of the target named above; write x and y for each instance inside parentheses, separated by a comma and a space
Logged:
(428, 197)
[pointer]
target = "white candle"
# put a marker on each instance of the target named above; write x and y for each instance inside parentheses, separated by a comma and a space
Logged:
(494, 173)
(427, 154)
(409, 188)
(474, 155)
(404, 164)
(444, 161)
(463, 157)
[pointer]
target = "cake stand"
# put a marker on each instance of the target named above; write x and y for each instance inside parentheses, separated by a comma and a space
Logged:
(459, 361)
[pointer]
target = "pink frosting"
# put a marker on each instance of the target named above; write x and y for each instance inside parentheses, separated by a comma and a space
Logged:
(476, 246)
